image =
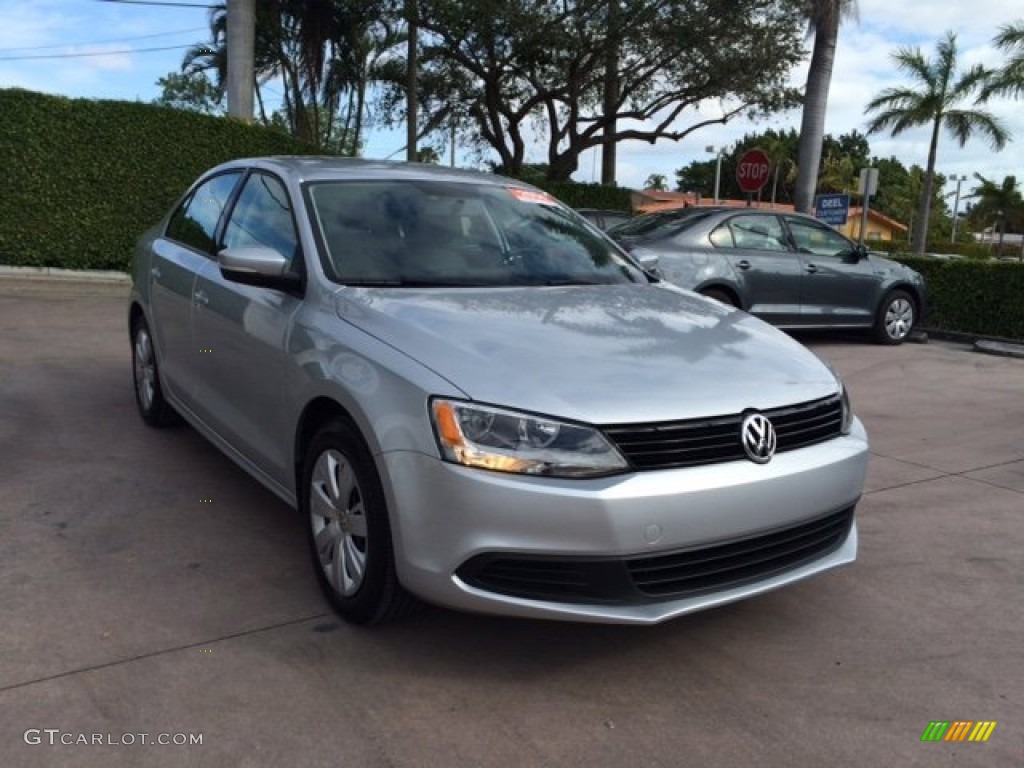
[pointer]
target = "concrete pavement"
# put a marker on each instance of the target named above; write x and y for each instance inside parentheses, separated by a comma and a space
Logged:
(147, 586)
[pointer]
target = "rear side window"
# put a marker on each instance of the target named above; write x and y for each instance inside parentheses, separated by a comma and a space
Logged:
(758, 232)
(195, 222)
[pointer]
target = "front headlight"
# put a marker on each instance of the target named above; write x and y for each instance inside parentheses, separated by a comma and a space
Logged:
(508, 441)
(847, 421)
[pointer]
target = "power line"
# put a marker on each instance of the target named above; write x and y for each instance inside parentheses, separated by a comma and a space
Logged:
(94, 53)
(156, 2)
(103, 42)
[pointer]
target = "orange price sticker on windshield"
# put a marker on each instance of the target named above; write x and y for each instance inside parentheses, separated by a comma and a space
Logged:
(530, 196)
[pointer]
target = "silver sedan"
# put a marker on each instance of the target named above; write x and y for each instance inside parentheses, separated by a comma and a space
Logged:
(475, 398)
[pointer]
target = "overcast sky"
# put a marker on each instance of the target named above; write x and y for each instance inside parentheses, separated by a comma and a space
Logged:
(863, 68)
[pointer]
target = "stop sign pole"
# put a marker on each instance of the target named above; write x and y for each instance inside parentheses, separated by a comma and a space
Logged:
(752, 172)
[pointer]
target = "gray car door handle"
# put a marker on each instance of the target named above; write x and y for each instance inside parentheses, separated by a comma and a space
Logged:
(743, 264)
(155, 272)
(201, 297)
(812, 268)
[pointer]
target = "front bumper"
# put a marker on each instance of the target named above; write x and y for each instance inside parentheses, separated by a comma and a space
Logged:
(448, 519)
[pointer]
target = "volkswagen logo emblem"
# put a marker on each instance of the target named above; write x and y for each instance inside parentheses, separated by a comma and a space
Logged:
(758, 436)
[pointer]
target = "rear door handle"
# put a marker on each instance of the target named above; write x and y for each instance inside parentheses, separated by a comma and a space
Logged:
(743, 264)
(812, 268)
(201, 297)
(156, 273)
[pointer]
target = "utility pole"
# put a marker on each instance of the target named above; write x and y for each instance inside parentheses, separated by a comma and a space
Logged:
(956, 204)
(241, 44)
(411, 65)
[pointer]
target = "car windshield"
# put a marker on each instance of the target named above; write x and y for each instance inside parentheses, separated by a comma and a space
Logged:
(659, 224)
(429, 233)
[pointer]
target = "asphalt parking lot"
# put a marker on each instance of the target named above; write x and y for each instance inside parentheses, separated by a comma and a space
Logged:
(147, 586)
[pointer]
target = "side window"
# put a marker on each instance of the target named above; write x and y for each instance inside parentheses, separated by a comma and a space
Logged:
(811, 237)
(195, 222)
(759, 232)
(263, 216)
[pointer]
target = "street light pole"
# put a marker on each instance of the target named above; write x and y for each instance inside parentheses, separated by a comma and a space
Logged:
(956, 204)
(718, 169)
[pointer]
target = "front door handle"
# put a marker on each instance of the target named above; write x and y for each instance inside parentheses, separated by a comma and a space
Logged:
(156, 273)
(743, 264)
(201, 297)
(812, 268)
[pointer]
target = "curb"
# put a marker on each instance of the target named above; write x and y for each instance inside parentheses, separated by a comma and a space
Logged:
(70, 275)
(999, 348)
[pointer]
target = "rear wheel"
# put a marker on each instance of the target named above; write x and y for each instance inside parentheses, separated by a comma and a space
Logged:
(895, 318)
(349, 532)
(719, 295)
(149, 395)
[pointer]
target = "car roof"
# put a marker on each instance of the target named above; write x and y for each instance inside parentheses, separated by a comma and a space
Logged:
(327, 167)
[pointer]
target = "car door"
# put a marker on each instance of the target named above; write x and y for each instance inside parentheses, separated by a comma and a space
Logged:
(766, 268)
(839, 286)
(186, 247)
(242, 332)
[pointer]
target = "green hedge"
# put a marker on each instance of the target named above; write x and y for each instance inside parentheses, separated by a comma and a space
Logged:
(971, 296)
(83, 178)
(588, 195)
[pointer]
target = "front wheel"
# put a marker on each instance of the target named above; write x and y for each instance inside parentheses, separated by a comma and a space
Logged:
(349, 532)
(895, 319)
(149, 395)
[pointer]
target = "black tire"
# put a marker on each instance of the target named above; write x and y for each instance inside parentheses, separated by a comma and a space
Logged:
(896, 317)
(343, 502)
(720, 296)
(149, 395)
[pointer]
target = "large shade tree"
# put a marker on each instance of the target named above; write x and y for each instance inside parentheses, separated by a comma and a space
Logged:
(824, 18)
(520, 71)
(935, 99)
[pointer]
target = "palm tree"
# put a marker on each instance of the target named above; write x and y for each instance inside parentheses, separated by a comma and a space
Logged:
(941, 89)
(1002, 203)
(657, 182)
(824, 17)
(1009, 80)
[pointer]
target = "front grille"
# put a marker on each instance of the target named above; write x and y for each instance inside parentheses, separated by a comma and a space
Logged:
(668, 444)
(660, 577)
(728, 565)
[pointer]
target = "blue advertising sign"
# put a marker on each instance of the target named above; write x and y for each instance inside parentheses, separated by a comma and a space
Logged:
(832, 209)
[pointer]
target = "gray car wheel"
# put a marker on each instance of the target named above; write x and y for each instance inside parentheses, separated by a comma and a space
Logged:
(349, 532)
(149, 395)
(895, 319)
(720, 296)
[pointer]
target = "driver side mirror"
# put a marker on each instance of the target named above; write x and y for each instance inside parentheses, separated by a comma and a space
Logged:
(259, 266)
(856, 254)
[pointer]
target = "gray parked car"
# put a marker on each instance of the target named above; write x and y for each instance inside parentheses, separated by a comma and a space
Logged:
(786, 268)
(475, 398)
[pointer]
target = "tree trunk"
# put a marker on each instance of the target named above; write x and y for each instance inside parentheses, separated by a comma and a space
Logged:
(920, 236)
(611, 96)
(410, 83)
(812, 123)
(562, 166)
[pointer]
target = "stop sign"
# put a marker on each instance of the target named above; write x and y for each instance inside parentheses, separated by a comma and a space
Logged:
(753, 169)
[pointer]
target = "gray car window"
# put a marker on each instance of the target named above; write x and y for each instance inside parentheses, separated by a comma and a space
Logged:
(195, 221)
(812, 237)
(761, 232)
(262, 216)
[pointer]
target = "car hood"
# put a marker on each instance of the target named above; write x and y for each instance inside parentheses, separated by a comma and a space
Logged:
(600, 354)
(884, 266)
